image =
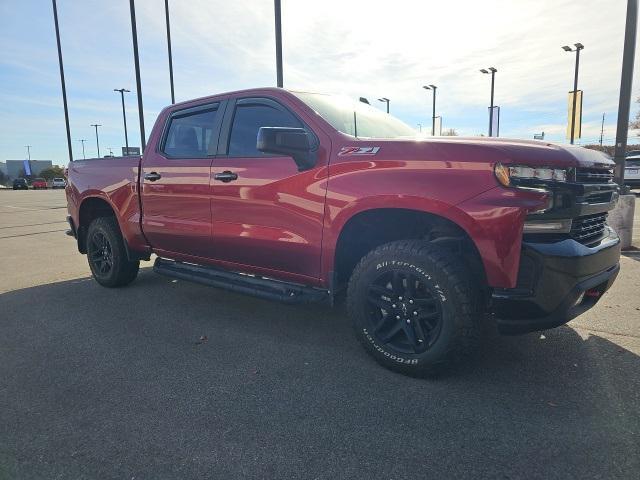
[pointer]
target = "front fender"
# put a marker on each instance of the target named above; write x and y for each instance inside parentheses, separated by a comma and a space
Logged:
(493, 220)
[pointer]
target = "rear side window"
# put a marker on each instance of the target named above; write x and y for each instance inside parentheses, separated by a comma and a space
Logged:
(190, 133)
(248, 119)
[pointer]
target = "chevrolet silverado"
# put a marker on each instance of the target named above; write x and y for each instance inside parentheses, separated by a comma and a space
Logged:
(305, 197)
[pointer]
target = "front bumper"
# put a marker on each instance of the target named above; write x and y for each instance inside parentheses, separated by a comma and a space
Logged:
(556, 283)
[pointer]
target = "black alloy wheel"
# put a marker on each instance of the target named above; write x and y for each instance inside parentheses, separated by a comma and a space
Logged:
(404, 313)
(101, 253)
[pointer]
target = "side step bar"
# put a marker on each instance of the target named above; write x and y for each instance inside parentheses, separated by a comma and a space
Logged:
(241, 283)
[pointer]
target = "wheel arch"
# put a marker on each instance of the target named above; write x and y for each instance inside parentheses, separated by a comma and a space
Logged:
(91, 208)
(367, 228)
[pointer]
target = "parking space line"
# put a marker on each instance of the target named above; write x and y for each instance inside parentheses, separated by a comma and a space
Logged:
(33, 225)
(35, 233)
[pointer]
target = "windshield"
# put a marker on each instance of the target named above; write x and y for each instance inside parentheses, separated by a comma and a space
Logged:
(356, 118)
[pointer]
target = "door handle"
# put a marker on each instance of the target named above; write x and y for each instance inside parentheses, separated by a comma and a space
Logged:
(152, 176)
(226, 176)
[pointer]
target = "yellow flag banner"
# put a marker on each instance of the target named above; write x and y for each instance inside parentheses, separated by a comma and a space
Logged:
(577, 116)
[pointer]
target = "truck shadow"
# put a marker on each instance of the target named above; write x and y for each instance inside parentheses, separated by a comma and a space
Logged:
(279, 377)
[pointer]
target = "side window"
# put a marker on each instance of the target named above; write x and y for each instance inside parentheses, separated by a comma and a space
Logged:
(190, 133)
(248, 119)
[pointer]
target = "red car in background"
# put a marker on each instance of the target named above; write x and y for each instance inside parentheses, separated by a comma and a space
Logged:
(39, 183)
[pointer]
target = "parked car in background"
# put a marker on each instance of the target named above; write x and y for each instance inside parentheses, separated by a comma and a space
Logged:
(39, 184)
(20, 184)
(632, 171)
(58, 183)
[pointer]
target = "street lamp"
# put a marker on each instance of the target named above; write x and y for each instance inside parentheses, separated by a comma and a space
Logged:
(433, 116)
(420, 127)
(386, 100)
(136, 62)
(492, 71)
(96, 125)
(62, 82)
(567, 48)
(28, 147)
(124, 117)
(82, 141)
(166, 11)
(278, 18)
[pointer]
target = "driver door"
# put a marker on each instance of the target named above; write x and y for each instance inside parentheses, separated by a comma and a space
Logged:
(267, 216)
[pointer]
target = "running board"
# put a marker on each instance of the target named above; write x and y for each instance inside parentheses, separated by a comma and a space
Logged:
(241, 283)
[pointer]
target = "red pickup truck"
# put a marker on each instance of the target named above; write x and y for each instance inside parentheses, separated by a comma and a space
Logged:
(307, 197)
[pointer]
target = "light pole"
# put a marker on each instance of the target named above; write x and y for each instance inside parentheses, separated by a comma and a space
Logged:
(420, 127)
(166, 11)
(110, 151)
(124, 117)
(136, 61)
(492, 71)
(96, 125)
(278, 17)
(82, 141)
(28, 147)
(626, 83)
(567, 48)
(386, 100)
(433, 116)
(62, 82)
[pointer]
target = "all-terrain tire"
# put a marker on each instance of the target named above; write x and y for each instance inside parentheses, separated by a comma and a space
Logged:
(107, 254)
(442, 331)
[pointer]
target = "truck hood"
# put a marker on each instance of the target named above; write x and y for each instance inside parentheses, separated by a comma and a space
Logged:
(479, 149)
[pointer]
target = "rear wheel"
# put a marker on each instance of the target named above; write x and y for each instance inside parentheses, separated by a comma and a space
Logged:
(107, 255)
(414, 307)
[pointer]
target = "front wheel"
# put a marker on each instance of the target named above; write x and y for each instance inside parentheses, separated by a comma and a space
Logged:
(414, 307)
(107, 255)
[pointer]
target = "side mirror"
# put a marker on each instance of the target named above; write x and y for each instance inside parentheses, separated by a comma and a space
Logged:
(288, 141)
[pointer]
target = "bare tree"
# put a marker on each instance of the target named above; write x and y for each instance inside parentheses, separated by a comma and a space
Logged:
(450, 132)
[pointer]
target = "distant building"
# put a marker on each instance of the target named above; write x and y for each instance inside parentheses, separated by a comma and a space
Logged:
(29, 168)
(3, 168)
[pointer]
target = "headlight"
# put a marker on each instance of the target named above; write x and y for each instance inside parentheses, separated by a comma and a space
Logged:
(547, 226)
(509, 175)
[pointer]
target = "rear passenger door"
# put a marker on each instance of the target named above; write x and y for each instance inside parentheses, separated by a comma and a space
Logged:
(176, 191)
(266, 214)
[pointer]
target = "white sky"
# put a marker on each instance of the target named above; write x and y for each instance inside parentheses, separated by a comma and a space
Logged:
(358, 48)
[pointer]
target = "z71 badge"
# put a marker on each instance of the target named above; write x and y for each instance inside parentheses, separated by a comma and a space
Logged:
(358, 151)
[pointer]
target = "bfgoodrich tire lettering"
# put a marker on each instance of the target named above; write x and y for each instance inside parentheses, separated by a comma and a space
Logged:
(414, 307)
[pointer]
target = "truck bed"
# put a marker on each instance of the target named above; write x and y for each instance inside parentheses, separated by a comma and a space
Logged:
(113, 180)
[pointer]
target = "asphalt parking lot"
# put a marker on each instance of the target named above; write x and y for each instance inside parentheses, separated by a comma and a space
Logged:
(100, 384)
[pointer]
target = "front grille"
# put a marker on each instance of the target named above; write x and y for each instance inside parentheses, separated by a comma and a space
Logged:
(589, 229)
(594, 175)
